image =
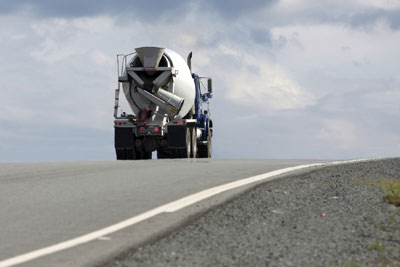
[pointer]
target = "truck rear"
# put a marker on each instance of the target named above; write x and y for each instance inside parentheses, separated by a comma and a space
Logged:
(169, 104)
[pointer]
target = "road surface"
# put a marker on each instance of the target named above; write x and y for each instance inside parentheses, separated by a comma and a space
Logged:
(43, 204)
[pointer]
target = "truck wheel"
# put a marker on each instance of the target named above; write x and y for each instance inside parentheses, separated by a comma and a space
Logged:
(193, 142)
(127, 153)
(130, 153)
(186, 152)
(205, 150)
(174, 153)
(146, 155)
(120, 153)
(162, 154)
(142, 155)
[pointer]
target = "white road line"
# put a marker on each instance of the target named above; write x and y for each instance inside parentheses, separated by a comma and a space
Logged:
(170, 207)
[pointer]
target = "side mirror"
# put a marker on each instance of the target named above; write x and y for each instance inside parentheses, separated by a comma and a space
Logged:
(210, 85)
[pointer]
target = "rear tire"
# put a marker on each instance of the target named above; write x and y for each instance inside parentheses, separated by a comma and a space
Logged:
(205, 150)
(139, 155)
(120, 153)
(146, 155)
(127, 153)
(162, 154)
(130, 153)
(193, 142)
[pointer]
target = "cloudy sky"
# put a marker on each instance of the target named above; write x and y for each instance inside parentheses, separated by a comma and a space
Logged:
(292, 78)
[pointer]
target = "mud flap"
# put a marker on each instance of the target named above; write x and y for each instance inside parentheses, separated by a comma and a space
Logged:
(124, 143)
(177, 137)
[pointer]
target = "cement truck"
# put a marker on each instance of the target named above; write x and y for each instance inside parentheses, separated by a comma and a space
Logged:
(169, 107)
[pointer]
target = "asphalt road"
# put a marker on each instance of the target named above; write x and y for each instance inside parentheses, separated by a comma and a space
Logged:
(42, 204)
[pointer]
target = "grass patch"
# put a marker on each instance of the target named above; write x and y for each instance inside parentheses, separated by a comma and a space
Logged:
(377, 245)
(391, 189)
(353, 264)
(386, 244)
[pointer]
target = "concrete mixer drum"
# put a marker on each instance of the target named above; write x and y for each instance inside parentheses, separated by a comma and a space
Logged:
(159, 81)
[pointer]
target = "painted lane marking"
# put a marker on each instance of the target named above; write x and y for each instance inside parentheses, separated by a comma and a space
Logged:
(170, 207)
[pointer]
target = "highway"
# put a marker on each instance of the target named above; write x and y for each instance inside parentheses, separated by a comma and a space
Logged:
(43, 204)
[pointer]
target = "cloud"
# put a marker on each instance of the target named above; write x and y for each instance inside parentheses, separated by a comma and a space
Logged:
(60, 39)
(77, 8)
(371, 17)
(266, 87)
(356, 14)
(235, 8)
(172, 10)
(141, 9)
(99, 58)
(261, 36)
(342, 133)
(384, 5)
(269, 13)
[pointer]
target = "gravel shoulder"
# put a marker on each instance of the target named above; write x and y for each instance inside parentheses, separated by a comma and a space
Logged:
(328, 217)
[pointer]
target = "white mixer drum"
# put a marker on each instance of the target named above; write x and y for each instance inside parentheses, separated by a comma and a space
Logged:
(160, 81)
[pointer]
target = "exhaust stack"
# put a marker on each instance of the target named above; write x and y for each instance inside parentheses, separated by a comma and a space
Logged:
(189, 61)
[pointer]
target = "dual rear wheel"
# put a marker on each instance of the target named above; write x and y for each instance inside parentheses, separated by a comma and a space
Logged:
(190, 149)
(126, 150)
(129, 153)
